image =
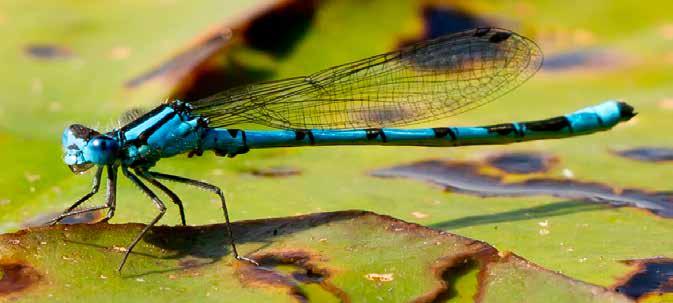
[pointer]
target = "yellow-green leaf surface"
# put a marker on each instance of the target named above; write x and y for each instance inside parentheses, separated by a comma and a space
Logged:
(329, 257)
(94, 48)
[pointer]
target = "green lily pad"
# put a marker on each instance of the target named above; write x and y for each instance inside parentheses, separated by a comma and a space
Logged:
(350, 256)
(87, 53)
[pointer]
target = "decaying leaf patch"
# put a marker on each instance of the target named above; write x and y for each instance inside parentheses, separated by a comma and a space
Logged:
(303, 270)
(340, 256)
(48, 51)
(647, 154)
(522, 162)
(649, 277)
(275, 172)
(16, 277)
(467, 177)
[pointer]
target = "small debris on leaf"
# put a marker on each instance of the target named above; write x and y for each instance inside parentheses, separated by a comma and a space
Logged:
(119, 53)
(568, 173)
(419, 215)
(379, 277)
(119, 248)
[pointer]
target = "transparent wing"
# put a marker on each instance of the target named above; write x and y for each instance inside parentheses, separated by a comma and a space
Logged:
(131, 115)
(426, 81)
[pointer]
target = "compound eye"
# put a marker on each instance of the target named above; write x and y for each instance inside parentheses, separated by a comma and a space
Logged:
(99, 143)
(104, 144)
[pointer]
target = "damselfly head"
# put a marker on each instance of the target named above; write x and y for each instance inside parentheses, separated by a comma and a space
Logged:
(85, 147)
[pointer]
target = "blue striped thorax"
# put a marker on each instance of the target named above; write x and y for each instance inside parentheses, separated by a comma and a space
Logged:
(166, 131)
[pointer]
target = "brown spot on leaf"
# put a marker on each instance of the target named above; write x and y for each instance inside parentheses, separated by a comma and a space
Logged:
(522, 162)
(305, 271)
(647, 154)
(17, 277)
(648, 277)
(448, 270)
(190, 262)
(48, 51)
(465, 177)
(275, 171)
(253, 276)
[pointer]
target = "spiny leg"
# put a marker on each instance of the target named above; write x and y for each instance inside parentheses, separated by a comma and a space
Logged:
(217, 191)
(166, 190)
(157, 202)
(94, 189)
(111, 195)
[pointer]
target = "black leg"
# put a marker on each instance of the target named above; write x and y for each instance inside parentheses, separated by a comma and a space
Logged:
(111, 195)
(94, 189)
(157, 202)
(217, 191)
(166, 190)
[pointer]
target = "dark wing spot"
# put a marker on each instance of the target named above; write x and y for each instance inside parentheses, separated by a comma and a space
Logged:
(499, 37)
(480, 32)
